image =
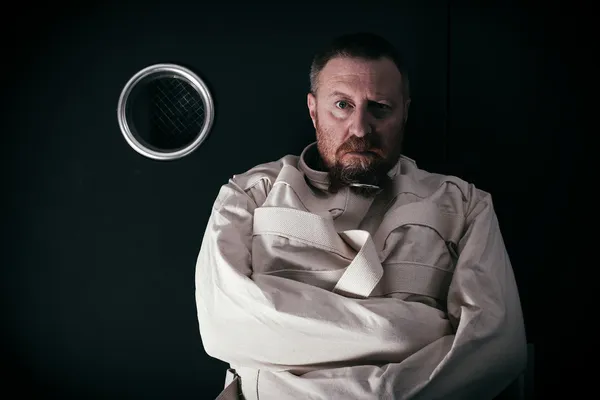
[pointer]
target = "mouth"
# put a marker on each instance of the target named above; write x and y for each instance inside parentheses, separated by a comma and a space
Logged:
(366, 153)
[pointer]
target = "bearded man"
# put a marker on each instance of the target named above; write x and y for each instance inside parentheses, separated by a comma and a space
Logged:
(348, 272)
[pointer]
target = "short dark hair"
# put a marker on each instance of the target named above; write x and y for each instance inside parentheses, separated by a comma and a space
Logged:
(365, 45)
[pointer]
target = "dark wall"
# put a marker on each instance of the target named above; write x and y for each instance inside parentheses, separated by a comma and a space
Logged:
(519, 89)
(100, 243)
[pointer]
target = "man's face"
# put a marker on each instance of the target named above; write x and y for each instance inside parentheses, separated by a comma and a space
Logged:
(359, 115)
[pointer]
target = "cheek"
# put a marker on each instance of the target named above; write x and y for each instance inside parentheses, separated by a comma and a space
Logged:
(333, 131)
(329, 142)
(390, 137)
(329, 138)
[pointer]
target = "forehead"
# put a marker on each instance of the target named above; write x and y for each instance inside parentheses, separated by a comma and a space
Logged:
(358, 76)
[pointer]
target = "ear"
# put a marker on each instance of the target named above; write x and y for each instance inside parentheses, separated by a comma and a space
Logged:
(406, 106)
(312, 108)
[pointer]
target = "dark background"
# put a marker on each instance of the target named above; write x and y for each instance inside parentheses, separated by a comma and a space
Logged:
(99, 243)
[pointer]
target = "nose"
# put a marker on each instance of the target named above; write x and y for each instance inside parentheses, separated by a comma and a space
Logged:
(360, 124)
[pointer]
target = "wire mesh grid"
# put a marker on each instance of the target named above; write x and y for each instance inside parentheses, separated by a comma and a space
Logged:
(177, 108)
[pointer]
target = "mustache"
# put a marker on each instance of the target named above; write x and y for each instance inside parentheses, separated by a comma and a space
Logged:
(359, 144)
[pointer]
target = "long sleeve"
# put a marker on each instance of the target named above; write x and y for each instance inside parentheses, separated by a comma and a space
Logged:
(488, 350)
(279, 324)
(316, 344)
(483, 355)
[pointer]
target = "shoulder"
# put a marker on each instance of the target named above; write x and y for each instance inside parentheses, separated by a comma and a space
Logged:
(441, 187)
(256, 182)
(265, 173)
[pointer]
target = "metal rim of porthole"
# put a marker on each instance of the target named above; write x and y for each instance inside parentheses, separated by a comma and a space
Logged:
(173, 71)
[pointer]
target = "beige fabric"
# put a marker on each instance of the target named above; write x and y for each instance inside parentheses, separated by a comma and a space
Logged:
(231, 391)
(359, 278)
(409, 294)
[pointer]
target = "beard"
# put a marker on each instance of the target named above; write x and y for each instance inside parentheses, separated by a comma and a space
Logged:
(370, 168)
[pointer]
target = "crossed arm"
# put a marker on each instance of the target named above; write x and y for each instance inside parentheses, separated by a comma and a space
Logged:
(401, 349)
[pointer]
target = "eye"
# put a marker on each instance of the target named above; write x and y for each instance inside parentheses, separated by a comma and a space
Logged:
(380, 110)
(342, 104)
(382, 106)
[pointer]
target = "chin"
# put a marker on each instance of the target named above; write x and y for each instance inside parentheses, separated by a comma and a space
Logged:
(358, 166)
(363, 160)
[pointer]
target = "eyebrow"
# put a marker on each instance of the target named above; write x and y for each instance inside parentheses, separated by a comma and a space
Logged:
(337, 93)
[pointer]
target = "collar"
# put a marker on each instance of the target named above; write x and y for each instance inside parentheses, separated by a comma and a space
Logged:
(319, 178)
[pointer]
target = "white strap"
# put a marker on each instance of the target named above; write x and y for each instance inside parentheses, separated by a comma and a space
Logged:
(365, 270)
(301, 225)
(414, 278)
(448, 226)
